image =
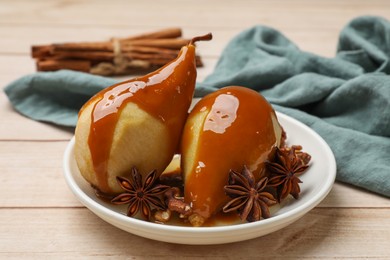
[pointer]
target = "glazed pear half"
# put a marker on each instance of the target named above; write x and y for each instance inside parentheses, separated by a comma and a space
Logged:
(136, 123)
(230, 128)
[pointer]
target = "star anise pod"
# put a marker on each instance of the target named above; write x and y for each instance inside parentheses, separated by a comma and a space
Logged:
(289, 163)
(249, 198)
(143, 196)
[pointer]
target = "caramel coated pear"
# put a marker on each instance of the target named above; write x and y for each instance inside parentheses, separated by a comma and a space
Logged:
(230, 128)
(136, 123)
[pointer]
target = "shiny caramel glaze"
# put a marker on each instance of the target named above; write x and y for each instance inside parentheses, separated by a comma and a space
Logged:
(239, 127)
(166, 94)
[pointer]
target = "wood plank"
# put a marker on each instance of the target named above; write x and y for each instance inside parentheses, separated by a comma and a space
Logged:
(17, 40)
(69, 233)
(200, 13)
(36, 180)
(344, 195)
(31, 175)
(307, 25)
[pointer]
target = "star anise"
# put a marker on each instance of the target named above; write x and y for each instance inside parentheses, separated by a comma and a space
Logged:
(248, 197)
(143, 196)
(289, 163)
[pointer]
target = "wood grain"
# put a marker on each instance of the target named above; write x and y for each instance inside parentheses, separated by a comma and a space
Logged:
(40, 218)
(68, 233)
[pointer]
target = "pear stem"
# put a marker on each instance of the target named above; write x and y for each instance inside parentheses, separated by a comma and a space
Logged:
(206, 37)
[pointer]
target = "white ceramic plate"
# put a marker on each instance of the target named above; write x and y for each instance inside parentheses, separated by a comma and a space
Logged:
(317, 182)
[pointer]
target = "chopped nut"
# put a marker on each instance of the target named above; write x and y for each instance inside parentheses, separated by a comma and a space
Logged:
(196, 220)
(176, 203)
(163, 216)
(297, 149)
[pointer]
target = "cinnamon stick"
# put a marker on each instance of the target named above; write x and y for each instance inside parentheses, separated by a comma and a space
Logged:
(83, 55)
(52, 65)
(161, 43)
(170, 33)
(106, 46)
(83, 46)
(135, 45)
(147, 49)
(85, 66)
(39, 51)
(115, 57)
(161, 34)
(107, 56)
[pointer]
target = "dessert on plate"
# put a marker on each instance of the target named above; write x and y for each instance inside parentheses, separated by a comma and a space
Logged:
(136, 144)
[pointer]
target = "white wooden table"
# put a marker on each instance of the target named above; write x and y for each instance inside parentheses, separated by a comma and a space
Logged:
(39, 216)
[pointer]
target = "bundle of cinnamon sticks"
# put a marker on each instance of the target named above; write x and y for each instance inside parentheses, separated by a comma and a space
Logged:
(118, 56)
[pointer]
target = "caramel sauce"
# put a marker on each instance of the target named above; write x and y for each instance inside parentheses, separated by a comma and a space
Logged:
(165, 94)
(223, 219)
(238, 130)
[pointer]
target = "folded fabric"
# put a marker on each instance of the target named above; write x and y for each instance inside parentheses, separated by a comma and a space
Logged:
(346, 99)
(54, 97)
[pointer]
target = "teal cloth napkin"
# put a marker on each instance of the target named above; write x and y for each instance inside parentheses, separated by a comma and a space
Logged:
(54, 97)
(346, 99)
